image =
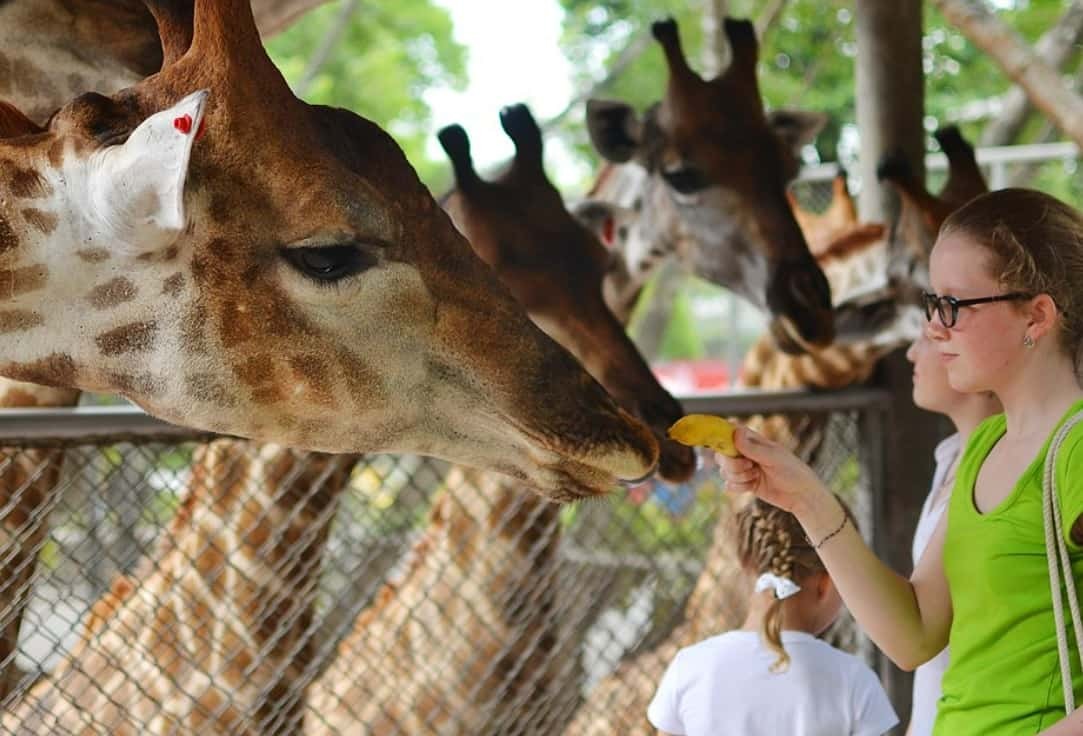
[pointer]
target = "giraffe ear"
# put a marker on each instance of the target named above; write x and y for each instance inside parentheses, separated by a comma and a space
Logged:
(138, 187)
(615, 129)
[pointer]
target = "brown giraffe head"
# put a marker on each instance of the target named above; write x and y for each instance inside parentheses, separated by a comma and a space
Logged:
(717, 168)
(233, 259)
(518, 224)
(921, 212)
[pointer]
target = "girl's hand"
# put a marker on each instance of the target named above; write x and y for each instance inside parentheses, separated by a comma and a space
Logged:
(771, 472)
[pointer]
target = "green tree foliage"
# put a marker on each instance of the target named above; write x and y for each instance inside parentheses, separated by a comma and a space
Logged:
(385, 59)
(806, 57)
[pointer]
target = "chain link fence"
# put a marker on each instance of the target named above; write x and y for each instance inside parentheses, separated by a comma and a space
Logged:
(161, 581)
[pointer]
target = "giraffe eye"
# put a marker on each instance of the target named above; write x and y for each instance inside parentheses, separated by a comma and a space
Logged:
(330, 263)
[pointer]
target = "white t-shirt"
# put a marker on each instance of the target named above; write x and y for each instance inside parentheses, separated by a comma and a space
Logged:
(927, 677)
(724, 686)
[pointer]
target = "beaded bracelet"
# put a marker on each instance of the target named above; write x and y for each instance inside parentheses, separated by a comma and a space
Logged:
(841, 526)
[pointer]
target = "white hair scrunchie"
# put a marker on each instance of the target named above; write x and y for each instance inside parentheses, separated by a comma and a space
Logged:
(783, 587)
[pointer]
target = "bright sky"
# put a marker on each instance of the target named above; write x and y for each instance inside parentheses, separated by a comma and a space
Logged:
(514, 56)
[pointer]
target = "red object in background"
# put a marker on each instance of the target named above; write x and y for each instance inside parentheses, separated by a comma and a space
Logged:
(687, 377)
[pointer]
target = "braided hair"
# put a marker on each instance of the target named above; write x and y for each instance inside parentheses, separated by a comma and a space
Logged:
(770, 540)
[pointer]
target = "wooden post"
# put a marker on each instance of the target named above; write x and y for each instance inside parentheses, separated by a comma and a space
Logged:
(890, 111)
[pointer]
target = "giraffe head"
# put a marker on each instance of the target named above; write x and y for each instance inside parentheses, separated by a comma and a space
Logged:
(555, 267)
(921, 212)
(717, 167)
(233, 259)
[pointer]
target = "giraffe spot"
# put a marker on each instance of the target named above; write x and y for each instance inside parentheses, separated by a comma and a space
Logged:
(42, 221)
(15, 281)
(362, 381)
(57, 369)
(93, 255)
(19, 320)
(172, 286)
(8, 239)
(27, 183)
(131, 338)
(258, 373)
(205, 387)
(314, 372)
(112, 293)
(137, 384)
(268, 393)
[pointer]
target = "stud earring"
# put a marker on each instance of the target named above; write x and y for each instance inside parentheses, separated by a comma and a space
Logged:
(1028, 341)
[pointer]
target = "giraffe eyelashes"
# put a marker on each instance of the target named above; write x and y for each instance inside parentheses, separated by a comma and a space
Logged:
(329, 264)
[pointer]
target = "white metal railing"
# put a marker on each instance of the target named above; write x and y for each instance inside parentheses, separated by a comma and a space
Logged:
(996, 158)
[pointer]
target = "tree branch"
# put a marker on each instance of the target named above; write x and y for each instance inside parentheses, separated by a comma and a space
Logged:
(627, 56)
(274, 16)
(327, 45)
(769, 16)
(1056, 47)
(1041, 83)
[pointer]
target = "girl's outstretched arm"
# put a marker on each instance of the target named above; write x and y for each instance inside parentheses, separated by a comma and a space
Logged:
(907, 619)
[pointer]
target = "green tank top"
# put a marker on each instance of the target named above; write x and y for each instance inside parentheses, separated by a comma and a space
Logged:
(1003, 677)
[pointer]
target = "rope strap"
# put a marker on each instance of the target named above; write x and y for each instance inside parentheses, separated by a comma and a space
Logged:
(1057, 552)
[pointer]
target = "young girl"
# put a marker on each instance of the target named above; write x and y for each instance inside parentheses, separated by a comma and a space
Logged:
(932, 392)
(1007, 317)
(773, 676)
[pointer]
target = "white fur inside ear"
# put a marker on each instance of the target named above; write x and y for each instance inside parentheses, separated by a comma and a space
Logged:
(137, 188)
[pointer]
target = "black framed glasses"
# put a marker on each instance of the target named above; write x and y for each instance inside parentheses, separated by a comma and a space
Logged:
(947, 307)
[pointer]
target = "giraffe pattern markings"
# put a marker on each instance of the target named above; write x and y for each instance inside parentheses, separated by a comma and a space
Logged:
(112, 293)
(135, 337)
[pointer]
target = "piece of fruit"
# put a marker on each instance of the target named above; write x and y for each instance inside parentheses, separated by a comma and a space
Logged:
(705, 430)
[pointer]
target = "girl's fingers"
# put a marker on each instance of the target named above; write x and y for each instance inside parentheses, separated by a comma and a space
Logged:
(730, 465)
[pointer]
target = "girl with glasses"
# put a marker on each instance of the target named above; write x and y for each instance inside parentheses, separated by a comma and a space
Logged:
(1006, 318)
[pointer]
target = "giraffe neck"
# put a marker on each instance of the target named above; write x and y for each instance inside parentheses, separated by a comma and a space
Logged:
(50, 56)
(28, 480)
(469, 635)
(215, 630)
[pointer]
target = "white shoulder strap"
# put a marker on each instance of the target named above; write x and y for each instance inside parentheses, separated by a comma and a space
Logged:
(1056, 551)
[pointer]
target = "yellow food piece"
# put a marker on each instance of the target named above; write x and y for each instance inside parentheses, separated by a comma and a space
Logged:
(705, 430)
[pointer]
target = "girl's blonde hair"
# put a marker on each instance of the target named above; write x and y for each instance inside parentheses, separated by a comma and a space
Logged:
(1035, 246)
(770, 540)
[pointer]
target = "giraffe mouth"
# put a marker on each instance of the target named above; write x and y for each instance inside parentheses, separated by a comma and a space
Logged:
(800, 298)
